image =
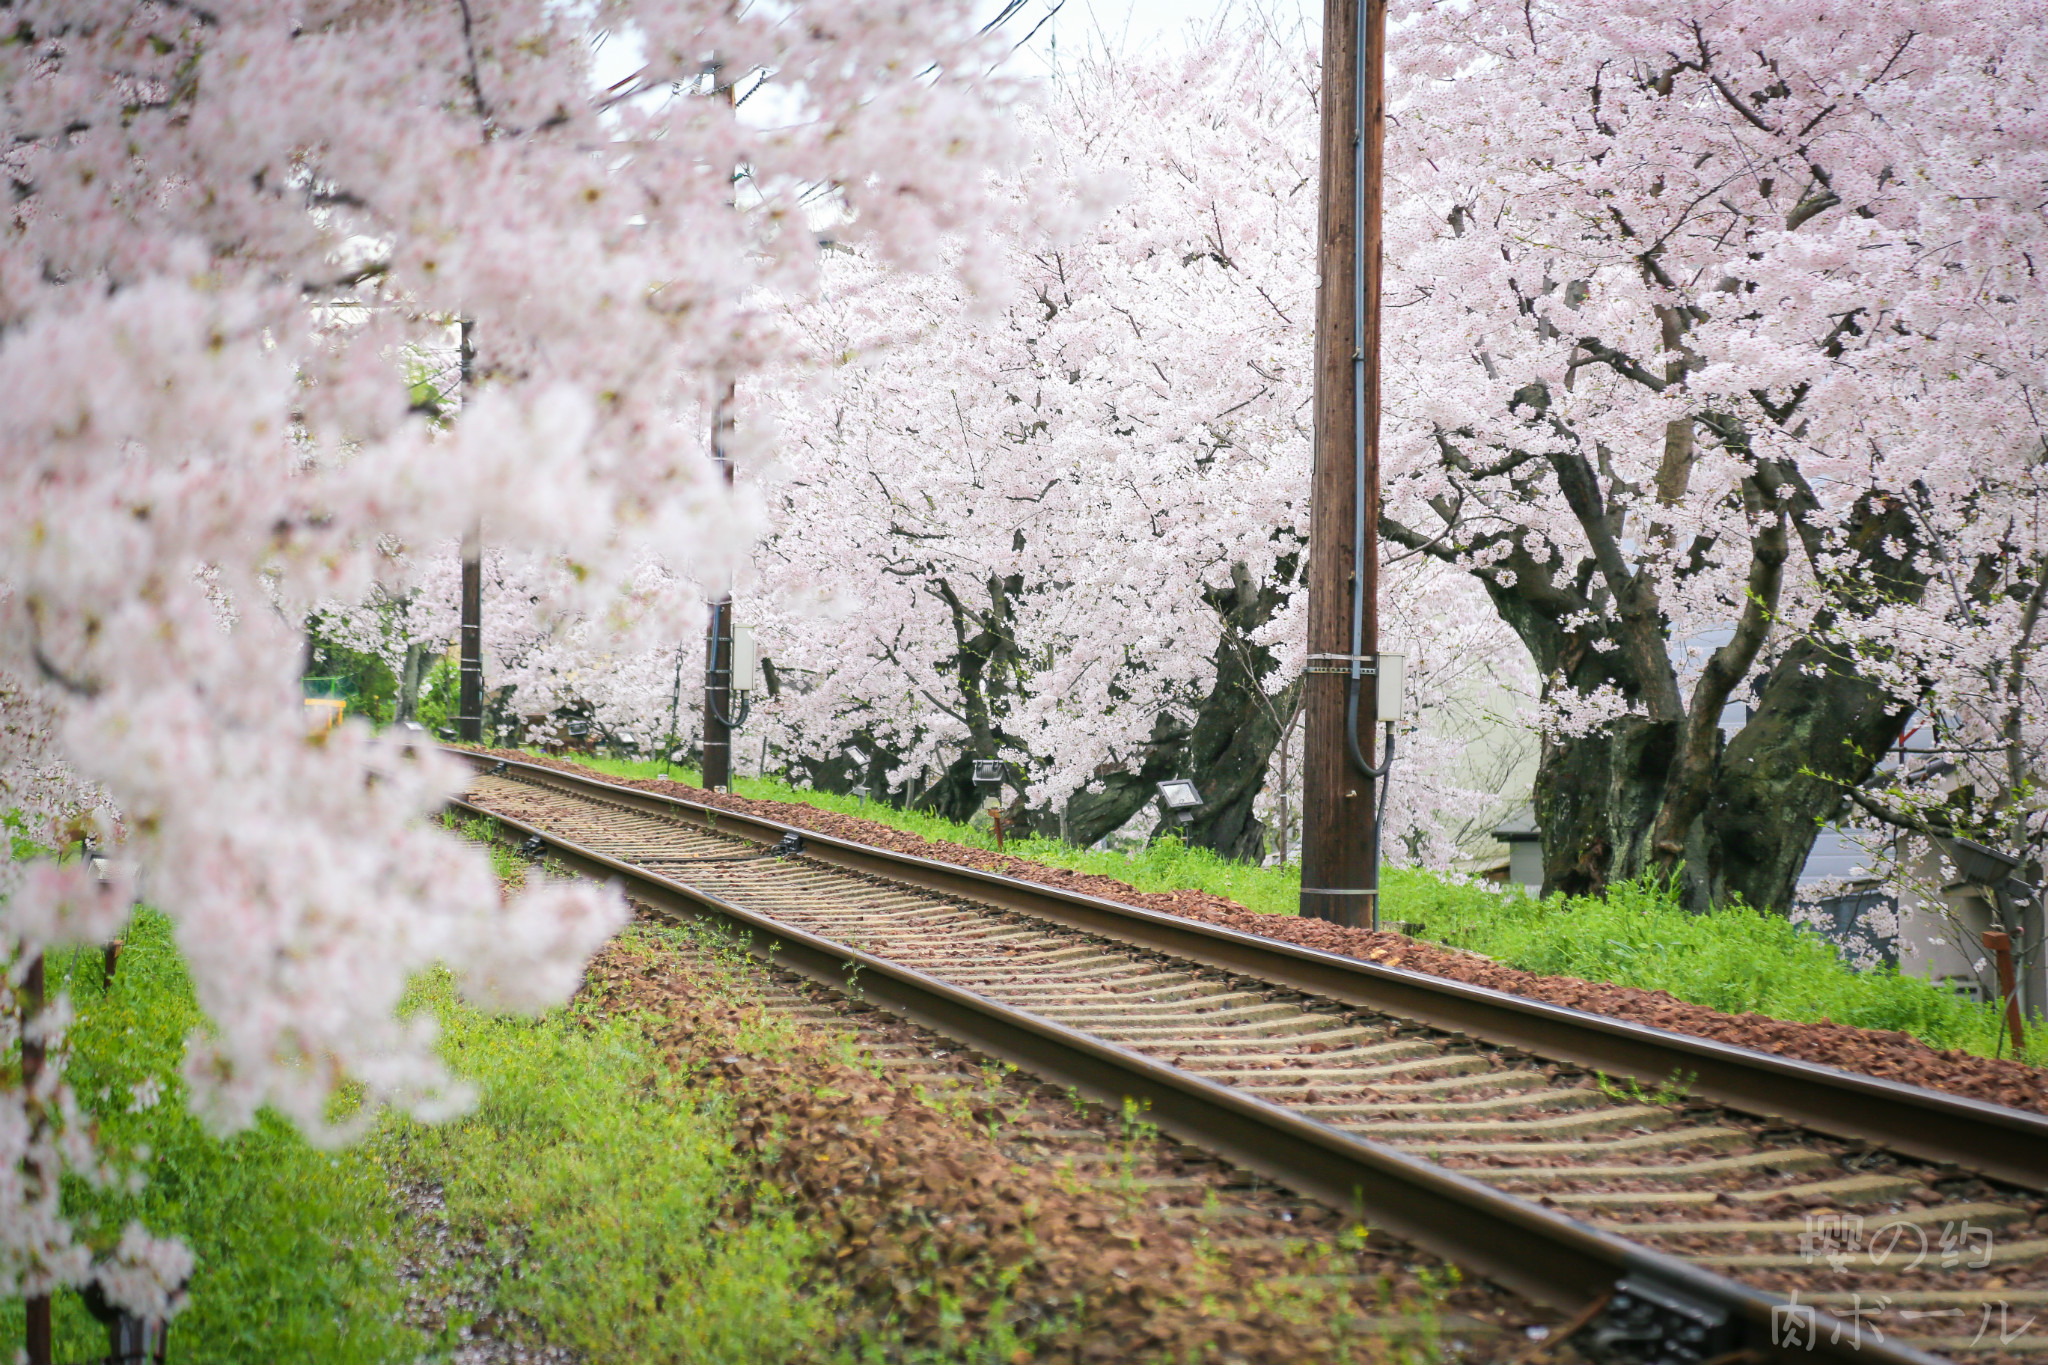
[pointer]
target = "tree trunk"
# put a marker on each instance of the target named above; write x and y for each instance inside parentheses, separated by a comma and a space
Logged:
(1596, 797)
(1226, 753)
(1818, 729)
(1235, 734)
(409, 677)
(1094, 814)
(952, 794)
(1660, 791)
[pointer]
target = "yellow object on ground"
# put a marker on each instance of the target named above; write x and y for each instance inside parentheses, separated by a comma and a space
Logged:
(324, 713)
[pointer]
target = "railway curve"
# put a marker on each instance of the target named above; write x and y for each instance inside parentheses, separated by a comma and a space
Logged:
(1736, 1217)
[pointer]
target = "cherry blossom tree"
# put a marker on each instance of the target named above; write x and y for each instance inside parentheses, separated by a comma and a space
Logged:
(230, 223)
(1714, 339)
(1079, 525)
(1972, 763)
(614, 668)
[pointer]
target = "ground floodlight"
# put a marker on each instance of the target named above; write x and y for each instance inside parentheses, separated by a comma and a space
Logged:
(860, 760)
(1181, 798)
(988, 770)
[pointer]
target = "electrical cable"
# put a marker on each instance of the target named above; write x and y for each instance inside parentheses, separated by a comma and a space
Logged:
(1359, 273)
(1379, 823)
(746, 698)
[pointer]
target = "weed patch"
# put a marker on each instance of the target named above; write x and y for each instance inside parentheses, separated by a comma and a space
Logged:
(1735, 960)
(291, 1244)
(601, 1187)
(1165, 864)
(932, 1244)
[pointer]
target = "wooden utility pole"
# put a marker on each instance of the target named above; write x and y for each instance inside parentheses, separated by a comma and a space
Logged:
(718, 634)
(1338, 853)
(469, 702)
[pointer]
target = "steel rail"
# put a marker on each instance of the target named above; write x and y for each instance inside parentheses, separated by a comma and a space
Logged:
(1994, 1140)
(1548, 1257)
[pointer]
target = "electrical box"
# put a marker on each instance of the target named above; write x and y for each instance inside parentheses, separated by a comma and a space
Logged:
(1393, 670)
(746, 661)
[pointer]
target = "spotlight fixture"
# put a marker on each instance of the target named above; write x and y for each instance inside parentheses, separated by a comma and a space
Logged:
(1181, 798)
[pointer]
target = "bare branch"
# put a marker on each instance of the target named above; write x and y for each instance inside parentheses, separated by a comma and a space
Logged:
(1741, 107)
(1433, 546)
(1899, 819)
(2030, 617)
(54, 674)
(1622, 364)
(475, 77)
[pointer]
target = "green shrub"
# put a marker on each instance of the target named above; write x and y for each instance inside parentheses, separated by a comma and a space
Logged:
(440, 695)
(364, 678)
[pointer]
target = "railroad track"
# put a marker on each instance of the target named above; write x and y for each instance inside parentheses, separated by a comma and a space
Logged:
(1384, 1289)
(1690, 1201)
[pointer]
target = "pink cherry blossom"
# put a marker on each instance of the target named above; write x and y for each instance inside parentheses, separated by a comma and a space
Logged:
(238, 234)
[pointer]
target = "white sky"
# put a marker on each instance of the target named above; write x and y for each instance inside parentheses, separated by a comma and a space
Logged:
(1133, 25)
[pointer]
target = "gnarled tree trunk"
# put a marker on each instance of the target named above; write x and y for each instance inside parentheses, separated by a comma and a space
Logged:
(1659, 791)
(1227, 750)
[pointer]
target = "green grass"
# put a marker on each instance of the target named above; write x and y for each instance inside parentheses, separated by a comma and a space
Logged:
(608, 1183)
(1734, 959)
(1166, 865)
(291, 1243)
(602, 1186)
